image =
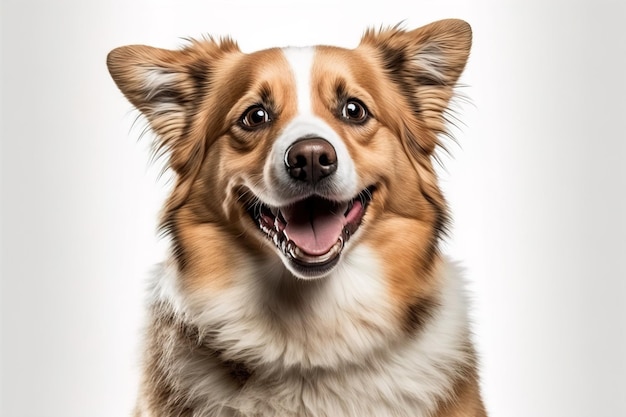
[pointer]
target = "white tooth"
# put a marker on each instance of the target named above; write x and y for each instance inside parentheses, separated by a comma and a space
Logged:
(290, 248)
(276, 223)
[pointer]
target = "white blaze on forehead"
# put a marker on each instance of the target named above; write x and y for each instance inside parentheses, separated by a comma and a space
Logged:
(280, 188)
(301, 62)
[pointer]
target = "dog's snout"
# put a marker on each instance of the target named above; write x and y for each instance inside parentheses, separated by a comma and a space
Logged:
(311, 160)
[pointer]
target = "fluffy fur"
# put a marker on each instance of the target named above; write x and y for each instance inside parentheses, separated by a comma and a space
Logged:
(273, 302)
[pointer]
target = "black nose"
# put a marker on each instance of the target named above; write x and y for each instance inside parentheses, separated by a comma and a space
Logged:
(311, 159)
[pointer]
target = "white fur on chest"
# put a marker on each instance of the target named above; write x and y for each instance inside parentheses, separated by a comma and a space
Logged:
(325, 350)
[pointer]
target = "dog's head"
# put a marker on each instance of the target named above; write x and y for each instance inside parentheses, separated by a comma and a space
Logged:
(300, 153)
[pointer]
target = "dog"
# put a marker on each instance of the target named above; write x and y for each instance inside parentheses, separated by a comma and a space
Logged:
(305, 276)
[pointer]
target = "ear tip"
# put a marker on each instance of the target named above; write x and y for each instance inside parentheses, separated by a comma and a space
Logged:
(128, 51)
(117, 56)
(464, 28)
(459, 29)
(458, 26)
(123, 57)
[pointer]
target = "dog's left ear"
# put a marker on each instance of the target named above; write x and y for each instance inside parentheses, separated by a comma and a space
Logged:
(425, 64)
(167, 87)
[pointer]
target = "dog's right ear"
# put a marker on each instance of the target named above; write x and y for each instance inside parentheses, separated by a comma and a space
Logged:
(168, 87)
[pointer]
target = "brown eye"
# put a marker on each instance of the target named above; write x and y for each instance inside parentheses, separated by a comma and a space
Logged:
(354, 111)
(254, 117)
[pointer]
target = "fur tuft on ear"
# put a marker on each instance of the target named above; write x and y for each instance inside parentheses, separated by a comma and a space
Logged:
(168, 87)
(425, 65)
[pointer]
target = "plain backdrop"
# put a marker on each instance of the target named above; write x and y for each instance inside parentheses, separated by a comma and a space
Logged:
(536, 183)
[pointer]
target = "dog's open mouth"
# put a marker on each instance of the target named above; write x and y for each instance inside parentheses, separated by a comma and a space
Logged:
(312, 232)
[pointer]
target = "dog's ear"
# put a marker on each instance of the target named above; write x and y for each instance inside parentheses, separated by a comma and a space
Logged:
(425, 65)
(168, 88)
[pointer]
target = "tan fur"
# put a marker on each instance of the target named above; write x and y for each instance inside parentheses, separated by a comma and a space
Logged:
(466, 401)
(193, 100)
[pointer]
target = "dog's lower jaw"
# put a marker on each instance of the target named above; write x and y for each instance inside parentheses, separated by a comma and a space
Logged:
(304, 266)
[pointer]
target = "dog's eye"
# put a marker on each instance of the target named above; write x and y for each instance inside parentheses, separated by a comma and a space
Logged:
(255, 116)
(354, 111)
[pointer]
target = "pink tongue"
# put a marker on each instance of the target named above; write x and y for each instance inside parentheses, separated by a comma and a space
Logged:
(314, 225)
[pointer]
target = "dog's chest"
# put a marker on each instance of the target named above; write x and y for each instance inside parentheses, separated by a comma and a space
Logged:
(332, 359)
(350, 392)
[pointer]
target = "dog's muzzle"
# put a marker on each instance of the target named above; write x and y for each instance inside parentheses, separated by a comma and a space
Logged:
(311, 232)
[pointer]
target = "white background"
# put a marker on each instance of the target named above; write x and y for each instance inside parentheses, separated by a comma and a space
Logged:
(537, 185)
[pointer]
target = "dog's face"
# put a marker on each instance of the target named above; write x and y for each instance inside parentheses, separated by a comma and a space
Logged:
(300, 154)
